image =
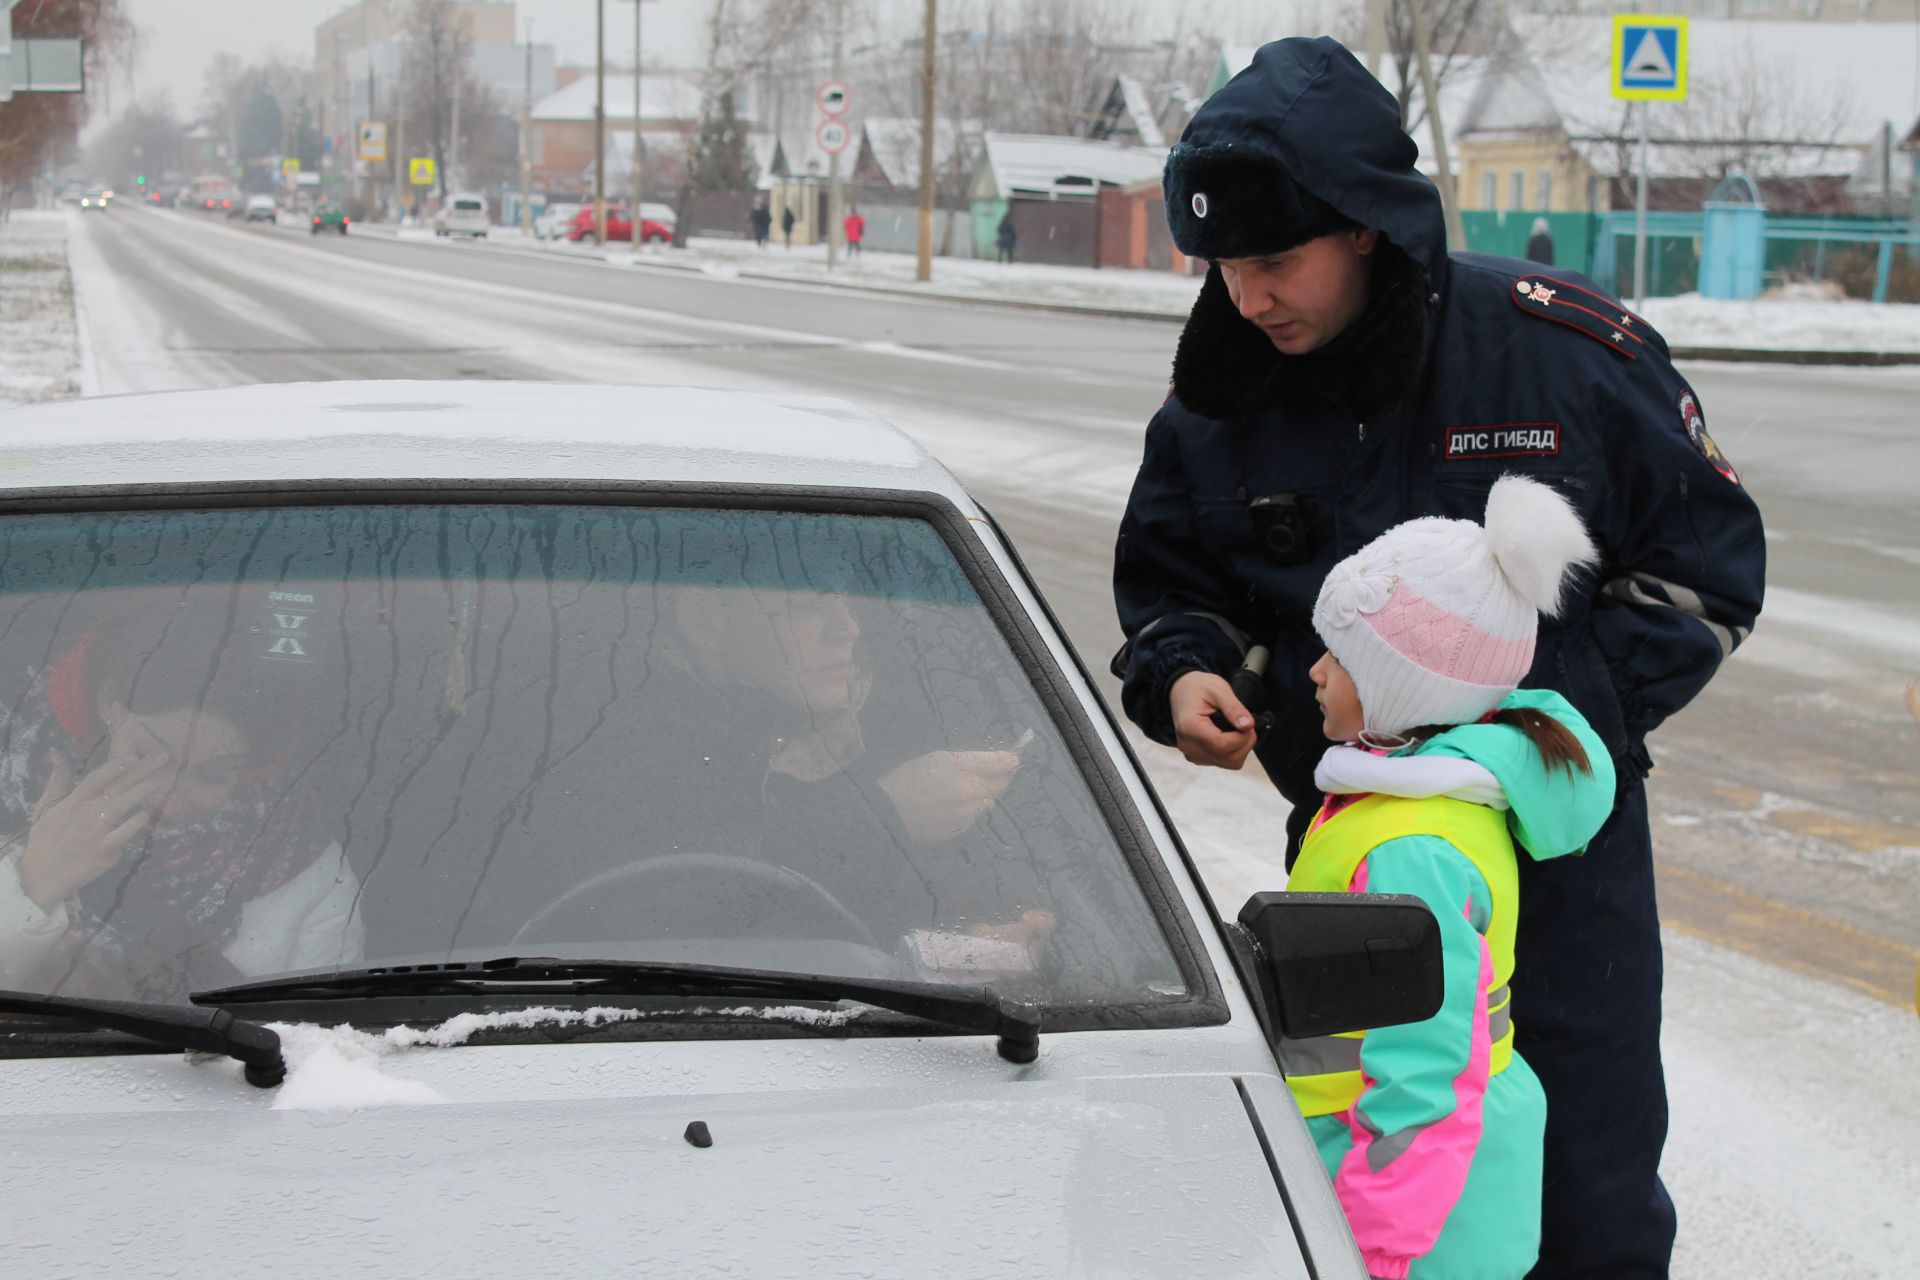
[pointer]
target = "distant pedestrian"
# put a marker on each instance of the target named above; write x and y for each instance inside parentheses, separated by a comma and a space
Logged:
(786, 224)
(1540, 244)
(856, 229)
(1006, 237)
(761, 219)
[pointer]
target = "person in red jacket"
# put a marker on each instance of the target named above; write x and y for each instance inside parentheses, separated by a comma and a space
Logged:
(856, 228)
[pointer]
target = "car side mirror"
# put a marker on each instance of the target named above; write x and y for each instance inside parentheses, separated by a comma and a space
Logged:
(1331, 962)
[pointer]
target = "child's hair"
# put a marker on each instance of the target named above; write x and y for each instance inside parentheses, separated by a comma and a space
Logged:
(1557, 746)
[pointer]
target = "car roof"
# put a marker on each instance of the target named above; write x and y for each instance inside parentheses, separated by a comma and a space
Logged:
(449, 431)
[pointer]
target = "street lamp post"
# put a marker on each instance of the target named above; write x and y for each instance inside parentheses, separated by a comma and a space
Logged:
(639, 149)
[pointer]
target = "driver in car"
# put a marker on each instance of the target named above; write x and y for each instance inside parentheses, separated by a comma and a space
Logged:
(156, 839)
(782, 692)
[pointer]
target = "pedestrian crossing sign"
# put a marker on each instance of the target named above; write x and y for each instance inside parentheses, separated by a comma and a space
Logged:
(420, 171)
(1649, 57)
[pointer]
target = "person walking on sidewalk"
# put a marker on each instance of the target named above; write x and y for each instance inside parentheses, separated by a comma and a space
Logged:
(1448, 774)
(786, 224)
(1540, 243)
(856, 229)
(1341, 373)
(1005, 238)
(760, 218)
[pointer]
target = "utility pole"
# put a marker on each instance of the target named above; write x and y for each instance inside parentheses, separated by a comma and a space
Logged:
(1376, 35)
(1640, 219)
(1449, 199)
(526, 141)
(923, 270)
(599, 121)
(834, 214)
(447, 179)
(639, 151)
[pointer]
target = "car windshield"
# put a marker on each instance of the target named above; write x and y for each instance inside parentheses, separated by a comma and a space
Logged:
(241, 743)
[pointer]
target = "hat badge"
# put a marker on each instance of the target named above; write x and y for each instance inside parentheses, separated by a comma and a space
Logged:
(1199, 204)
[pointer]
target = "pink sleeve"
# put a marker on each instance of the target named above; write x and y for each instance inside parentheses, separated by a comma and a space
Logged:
(1417, 1123)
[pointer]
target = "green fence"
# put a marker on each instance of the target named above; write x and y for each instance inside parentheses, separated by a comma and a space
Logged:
(1506, 234)
(1870, 259)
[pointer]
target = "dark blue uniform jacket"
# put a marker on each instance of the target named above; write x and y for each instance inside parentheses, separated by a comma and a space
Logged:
(1520, 369)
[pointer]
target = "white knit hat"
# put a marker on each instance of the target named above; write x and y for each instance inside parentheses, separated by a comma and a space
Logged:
(1435, 619)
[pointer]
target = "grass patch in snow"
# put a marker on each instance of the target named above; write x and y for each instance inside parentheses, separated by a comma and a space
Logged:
(39, 345)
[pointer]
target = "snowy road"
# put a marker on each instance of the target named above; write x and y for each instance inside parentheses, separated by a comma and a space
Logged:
(1788, 799)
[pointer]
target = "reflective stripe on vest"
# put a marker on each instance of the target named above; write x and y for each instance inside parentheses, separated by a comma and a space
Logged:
(1324, 1072)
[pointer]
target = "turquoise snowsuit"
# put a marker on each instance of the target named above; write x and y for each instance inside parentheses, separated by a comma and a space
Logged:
(1445, 1183)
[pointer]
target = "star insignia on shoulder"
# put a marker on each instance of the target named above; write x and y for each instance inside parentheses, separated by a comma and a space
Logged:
(1626, 322)
(1619, 336)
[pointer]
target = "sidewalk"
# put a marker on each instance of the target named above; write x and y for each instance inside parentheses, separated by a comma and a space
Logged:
(1799, 330)
(39, 342)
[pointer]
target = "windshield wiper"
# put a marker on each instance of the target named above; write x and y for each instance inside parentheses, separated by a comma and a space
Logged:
(178, 1026)
(967, 1008)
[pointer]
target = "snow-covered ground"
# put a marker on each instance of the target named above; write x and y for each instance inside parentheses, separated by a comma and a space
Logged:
(1773, 324)
(1786, 324)
(39, 348)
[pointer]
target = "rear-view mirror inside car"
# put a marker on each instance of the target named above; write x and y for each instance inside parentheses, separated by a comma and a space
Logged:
(1332, 962)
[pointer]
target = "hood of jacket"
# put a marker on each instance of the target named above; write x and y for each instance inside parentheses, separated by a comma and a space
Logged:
(1309, 107)
(1551, 811)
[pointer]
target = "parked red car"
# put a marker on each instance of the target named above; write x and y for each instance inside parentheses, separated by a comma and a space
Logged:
(619, 227)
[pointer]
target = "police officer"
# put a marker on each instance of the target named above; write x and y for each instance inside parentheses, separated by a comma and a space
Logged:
(1341, 372)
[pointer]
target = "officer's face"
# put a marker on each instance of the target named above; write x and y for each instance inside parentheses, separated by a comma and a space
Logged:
(1341, 716)
(1306, 297)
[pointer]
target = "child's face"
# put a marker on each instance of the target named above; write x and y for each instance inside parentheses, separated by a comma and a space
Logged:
(1341, 716)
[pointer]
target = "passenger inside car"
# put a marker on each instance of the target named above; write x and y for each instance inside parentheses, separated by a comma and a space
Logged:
(149, 773)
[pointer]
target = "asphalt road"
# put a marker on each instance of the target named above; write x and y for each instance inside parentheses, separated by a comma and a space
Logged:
(1787, 799)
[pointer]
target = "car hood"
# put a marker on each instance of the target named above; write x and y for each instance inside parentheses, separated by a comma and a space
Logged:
(828, 1158)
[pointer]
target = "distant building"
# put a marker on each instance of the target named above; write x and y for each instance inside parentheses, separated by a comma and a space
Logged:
(1794, 105)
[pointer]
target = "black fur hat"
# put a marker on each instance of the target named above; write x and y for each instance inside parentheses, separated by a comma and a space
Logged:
(1227, 201)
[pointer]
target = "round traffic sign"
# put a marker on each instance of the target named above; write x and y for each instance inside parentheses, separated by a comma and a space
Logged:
(832, 98)
(833, 136)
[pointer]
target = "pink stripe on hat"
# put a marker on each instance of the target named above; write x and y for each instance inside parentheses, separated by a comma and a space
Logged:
(1447, 644)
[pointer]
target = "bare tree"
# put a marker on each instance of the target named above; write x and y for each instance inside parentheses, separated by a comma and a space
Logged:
(40, 129)
(439, 78)
(1456, 28)
(740, 39)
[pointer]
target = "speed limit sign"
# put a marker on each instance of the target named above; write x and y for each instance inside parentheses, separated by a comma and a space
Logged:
(833, 136)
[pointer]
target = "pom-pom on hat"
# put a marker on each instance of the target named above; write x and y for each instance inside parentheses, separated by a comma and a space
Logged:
(1436, 619)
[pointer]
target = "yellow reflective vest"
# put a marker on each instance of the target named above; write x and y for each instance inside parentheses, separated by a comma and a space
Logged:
(1324, 1071)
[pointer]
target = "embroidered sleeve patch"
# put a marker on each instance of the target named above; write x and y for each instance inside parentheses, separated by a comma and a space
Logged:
(1507, 440)
(1696, 425)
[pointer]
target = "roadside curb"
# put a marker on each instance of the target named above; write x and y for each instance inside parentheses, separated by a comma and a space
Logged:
(1729, 355)
(1755, 355)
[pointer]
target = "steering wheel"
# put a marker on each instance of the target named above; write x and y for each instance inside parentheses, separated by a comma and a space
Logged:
(693, 895)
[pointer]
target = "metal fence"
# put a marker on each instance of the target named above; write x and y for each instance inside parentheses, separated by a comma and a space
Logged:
(1870, 259)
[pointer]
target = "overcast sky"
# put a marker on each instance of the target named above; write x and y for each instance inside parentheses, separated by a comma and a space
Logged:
(179, 37)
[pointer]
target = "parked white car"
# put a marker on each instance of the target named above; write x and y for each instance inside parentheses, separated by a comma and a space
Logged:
(462, 214)
(551, 223)
(689, 791)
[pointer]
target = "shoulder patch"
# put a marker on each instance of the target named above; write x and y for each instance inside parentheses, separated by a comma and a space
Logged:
(1696, 426)
(1594, 314)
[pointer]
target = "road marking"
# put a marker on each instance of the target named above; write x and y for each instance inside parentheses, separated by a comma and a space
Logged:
(1789, 936)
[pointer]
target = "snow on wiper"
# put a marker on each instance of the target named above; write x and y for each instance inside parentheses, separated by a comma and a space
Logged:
(965, 1008)
(256, 1047)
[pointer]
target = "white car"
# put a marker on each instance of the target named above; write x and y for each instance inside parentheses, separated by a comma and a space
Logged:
(666, 833)
(551, 222)
(261, 208)
(462, 214)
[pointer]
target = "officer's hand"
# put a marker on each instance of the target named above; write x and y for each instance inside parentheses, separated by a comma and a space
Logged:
(1195, 697)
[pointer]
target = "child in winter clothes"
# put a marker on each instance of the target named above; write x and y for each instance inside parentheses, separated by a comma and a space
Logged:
(1432, 1132)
